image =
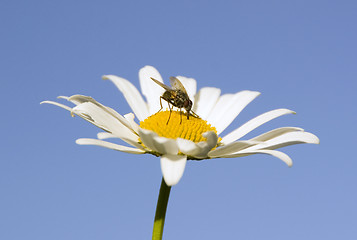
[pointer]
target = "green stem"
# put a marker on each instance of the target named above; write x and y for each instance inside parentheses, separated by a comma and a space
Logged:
(161, 211)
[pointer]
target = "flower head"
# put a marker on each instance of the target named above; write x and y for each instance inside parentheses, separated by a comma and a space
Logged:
(175, 138)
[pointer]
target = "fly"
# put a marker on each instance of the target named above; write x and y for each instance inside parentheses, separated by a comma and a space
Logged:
(177, 96)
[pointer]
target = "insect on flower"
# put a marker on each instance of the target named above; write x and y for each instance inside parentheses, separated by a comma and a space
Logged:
(177, 96)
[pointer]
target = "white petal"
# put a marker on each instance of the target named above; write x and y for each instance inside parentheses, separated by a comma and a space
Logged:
(172, 167)
(190, 85)
(275, 133)
(58, 104)
(287, 139)
(80, 99)
(165, 145)
(130, 118)
(205, 100)
(204, 149)
(206, 146)
(233, 147)
(211, 139)
(219, 108)
(198, 150)
(100, 117)
(89, 141)
(158, 144)
(105, 135)
(63, 97)
(282, 156)
(150, 89)
(122, 119)
(132, 96)
(228, 108)
(188, 147)
(253, 124)
(147, 137)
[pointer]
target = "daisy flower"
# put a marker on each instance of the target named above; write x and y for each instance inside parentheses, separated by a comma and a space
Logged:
(175, 138)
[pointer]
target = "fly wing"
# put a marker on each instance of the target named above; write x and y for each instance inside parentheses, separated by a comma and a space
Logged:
(177, 85)
(162, 85)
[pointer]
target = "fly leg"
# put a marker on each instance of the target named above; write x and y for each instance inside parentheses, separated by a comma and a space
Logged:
(170, 113)
(193, 114)
(180, 116)
(160, 104)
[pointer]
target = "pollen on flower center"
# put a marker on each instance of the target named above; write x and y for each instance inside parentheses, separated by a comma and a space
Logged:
(177, 125)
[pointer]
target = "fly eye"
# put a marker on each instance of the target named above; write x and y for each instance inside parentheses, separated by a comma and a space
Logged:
(188, 104)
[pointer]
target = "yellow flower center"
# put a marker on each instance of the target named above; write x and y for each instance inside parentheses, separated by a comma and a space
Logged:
(177, 126)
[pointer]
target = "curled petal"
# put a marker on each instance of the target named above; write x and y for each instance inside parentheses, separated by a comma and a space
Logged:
(63, 97)
(188, 147)
(165, 145)
(58, 105)
(172, 167)
(101, 116)
(130, 118)
(106, 121)
(158, 144)
(198, 150)
(80, 99)
(89, 141)
(282, 156)
(147, 137)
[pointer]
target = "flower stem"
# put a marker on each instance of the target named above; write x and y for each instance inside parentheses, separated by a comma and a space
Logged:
(161, 211)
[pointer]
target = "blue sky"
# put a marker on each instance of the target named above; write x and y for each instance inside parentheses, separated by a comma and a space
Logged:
(300, 55)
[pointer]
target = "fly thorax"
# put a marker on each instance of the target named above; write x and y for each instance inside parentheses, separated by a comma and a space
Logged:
(167, 95)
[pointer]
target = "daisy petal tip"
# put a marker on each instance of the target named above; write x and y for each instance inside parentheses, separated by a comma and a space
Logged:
(57, 104)
(146, 131)
(211, 137)
(171, 182)
(81, 141)
(254, 93)
(106, 77)
(172, 167)
(63, 97)
(48, 102)
(288, 111)
(209, 134)
(312, 138)
(148, 67)
(285, 158)
(316, 140)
